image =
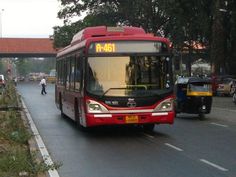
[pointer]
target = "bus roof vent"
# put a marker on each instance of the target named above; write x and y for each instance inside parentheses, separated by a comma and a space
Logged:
(115, 29)
(102, 31)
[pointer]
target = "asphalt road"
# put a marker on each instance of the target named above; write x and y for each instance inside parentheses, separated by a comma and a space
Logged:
(189, 148)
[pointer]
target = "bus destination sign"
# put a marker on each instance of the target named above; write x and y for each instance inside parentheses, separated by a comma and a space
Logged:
(127, 47)
(105, 47)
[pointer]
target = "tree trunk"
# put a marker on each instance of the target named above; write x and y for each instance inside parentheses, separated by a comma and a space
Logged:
(219, 39)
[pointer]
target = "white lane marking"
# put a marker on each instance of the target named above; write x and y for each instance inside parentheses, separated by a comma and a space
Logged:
(174, 147)
(148, 136)
(220, 125)
(213, 165)
(42, 148)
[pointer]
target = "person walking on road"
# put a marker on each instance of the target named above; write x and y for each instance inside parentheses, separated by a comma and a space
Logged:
(43, 84)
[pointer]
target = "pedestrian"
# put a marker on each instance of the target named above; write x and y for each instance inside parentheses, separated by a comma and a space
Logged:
(15, 81)
(43, 84)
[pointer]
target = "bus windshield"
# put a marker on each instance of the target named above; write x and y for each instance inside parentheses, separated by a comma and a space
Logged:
(135, 76)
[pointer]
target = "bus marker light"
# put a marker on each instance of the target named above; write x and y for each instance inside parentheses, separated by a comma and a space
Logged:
(160, 114)
(102, 115)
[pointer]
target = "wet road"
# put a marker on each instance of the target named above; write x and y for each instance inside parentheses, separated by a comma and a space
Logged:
(190, 147)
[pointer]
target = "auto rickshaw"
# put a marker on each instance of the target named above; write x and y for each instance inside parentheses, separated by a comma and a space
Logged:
(193, 95)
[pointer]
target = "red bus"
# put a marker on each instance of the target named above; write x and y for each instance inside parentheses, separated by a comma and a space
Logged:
(115, 75)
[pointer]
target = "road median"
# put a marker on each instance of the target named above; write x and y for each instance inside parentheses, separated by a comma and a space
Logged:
(19, 152)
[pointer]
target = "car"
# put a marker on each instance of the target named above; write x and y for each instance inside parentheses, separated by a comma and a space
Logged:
(226, 87)
(234, 96)
(2, 81)
(216, 80)
(20, 78)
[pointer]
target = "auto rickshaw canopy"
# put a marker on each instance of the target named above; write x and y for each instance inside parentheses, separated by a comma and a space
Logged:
(194, 86)
(189, 80)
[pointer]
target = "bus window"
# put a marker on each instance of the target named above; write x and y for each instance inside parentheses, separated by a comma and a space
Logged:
(67, 81)
(78, 72)
(72, 74)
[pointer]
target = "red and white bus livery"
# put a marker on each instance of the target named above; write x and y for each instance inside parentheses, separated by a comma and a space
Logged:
(115, 76)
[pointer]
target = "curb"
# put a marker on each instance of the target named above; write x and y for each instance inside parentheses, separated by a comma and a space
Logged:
(36, 144)
(32, 143)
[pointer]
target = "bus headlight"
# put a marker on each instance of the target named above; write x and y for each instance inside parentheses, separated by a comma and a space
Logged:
(95, 107)
(166, 105)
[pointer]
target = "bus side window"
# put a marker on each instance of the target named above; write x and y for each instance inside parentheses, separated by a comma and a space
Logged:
(78, 71)
(72, 74)
(68, 73)
(64, 74)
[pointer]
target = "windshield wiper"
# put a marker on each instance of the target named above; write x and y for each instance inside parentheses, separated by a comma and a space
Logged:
(137, 86)
(118, 88)
(128, 87)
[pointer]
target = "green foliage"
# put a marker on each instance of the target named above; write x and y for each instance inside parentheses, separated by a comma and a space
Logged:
(22, 66)
(179, 20)
(63, 35)
(27, 65)
(13, 128)
(18, 161)
(15, 158)
(1, 67)
(8, 96)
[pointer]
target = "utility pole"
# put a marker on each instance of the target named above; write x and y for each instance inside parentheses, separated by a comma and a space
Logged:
(1, 12)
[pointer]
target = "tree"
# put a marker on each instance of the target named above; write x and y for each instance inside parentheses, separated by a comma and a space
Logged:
(231, 13)
(182, 21)
(27, 65)
(63, 35)
(143, 13)
(22, 66)
(219, 39)
(1, 67)
(97, 16)
(189, 23)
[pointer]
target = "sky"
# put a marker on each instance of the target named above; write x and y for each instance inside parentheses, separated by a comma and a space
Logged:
(28, 18)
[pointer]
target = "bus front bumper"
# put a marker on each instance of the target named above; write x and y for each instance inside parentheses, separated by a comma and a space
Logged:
(119, 119)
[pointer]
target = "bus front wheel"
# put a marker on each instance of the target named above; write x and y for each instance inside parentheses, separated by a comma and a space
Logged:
(148, 127)
(77, 118)
(201, 116)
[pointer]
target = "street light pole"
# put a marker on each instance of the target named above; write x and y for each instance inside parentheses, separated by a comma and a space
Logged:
(1, 12)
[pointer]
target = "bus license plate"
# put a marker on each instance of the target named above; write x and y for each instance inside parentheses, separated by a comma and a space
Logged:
(131, 119)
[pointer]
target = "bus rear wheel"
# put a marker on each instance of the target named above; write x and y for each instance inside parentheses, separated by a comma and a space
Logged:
(60, 106)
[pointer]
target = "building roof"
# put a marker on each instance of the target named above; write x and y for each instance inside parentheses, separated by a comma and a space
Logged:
(27, 47)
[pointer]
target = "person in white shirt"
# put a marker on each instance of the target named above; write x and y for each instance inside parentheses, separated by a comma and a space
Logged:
(43, 84)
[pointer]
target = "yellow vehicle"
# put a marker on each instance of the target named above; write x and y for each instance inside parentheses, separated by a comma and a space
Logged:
(52, 76)
(193, 96)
